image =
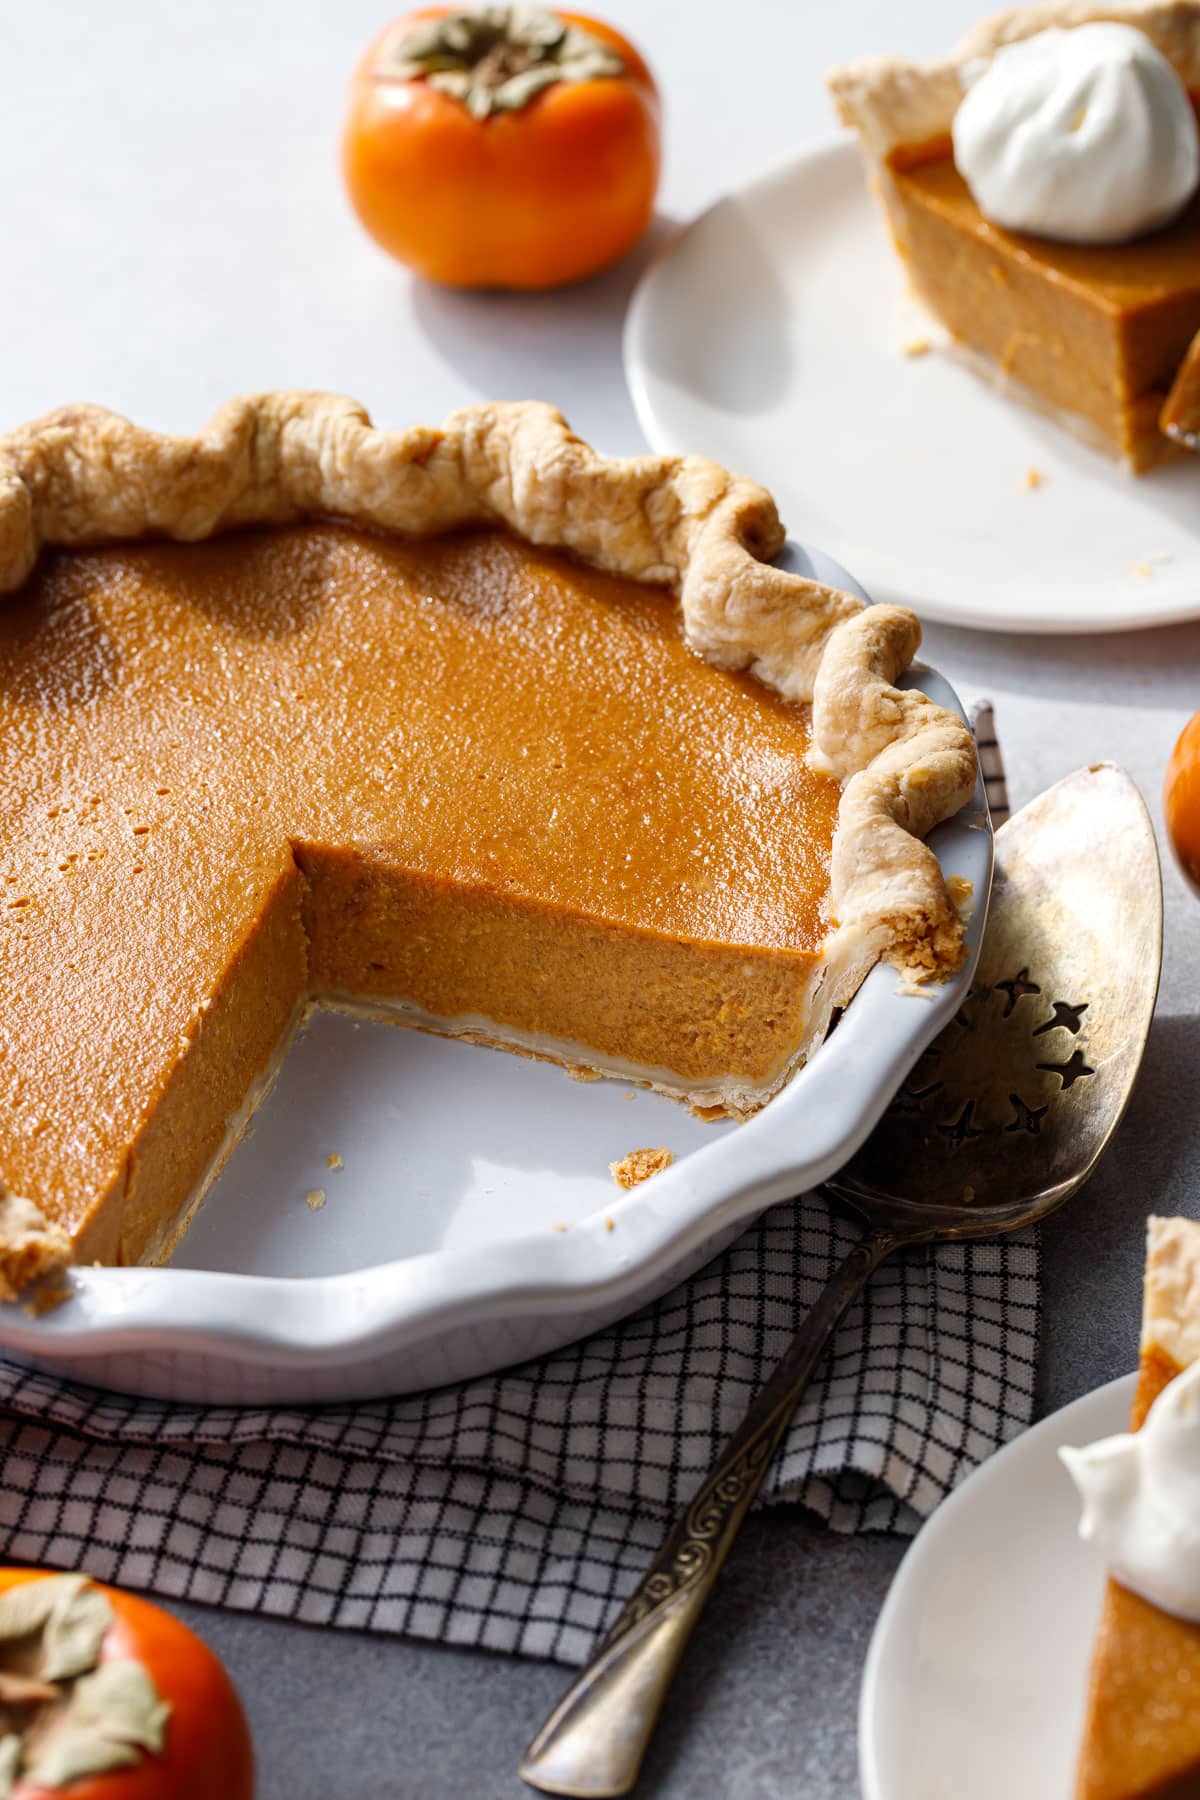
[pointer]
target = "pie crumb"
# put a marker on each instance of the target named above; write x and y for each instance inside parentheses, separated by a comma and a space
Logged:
(315, 1199)
(1142, 569)
(917, 346)
(915, 989)
(1034, 478)
(47, 1297)
(334, 1161)
(639, 1165)
(609, 1225)
(577, 1072)
(558, 1225)
(962, 895)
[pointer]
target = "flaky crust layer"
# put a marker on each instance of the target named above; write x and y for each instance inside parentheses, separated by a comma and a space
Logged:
(1171, 1295)
(892, 102)
(84, 476)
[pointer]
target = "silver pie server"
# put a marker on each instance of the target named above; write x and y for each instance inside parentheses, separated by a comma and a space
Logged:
(1003, 1117)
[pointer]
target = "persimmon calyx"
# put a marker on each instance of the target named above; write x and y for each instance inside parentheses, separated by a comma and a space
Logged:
(64, 1713)
(497, 60)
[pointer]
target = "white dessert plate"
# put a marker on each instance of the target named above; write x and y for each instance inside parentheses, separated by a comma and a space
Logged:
(408, 1211)
(770, 336)
(976, 1675)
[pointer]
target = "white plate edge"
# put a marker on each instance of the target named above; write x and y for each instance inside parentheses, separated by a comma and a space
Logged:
(1119, 1394)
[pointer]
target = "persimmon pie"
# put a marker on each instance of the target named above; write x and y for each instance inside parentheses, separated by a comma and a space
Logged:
(471, 729)
(1041, 184)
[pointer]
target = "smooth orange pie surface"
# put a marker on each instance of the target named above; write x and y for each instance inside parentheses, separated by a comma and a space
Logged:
(1095, 336)
(1142, 1733)
(477, 804)
(418, 765)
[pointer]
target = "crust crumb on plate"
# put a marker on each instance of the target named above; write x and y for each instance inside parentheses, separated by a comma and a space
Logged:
(639, 1165)
(962, 895)
(46, 1297)
(315, 1199)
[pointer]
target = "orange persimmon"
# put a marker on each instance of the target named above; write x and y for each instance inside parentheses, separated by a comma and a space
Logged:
(509, 148)
(1181, 799)
(203, 1742)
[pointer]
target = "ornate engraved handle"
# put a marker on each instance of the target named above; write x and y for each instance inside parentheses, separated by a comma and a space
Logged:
(593, 1742)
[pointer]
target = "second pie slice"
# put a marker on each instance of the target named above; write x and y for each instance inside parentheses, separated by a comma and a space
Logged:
(1092, 333)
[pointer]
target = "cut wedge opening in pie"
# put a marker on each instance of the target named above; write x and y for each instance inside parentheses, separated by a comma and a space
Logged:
(471, 729)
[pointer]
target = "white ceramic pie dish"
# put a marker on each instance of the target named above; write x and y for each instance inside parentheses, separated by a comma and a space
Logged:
(277, 1296)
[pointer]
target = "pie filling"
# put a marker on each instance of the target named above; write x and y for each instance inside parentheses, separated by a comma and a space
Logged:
(1093, 335)
(458, 782)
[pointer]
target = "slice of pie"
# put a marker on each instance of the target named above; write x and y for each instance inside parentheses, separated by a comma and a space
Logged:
(1093, 335)
(1142, 1734)
(471, 729)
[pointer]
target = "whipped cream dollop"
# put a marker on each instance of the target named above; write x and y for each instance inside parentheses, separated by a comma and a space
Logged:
(1085, 135)
(1141, 1499)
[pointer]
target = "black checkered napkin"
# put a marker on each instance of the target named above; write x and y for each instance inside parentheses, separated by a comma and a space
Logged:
(516, 1512)
(983, 720)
